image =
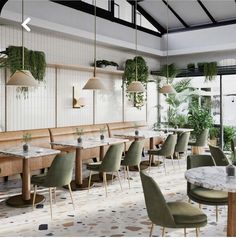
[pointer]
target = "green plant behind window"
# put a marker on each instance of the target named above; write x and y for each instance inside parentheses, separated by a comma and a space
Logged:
(229, 134)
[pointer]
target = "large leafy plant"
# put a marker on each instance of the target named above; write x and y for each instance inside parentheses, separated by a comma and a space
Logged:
(229, 134)
(142, 76)
(169, 71)
(199, 118)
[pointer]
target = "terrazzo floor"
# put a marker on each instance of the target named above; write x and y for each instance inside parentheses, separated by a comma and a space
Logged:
(122, 213)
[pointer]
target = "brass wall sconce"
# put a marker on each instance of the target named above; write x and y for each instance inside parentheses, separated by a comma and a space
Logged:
(78, 102)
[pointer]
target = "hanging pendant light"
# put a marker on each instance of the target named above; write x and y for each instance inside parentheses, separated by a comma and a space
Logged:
(136, 86)
(22, 77)
(94, 83)
(167, 88)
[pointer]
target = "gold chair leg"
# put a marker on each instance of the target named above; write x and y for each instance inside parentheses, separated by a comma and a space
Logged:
(71, 196)
(128, 176)
(200, 206)
(139, 167)
(90, 177)
(105, 182)
(185, 232)
(152, 226)
(50, 198)
(112, 178)
(172, 160)
(197, 232)
(150, 162)
(164, 163)
(217, 213)
(118, 175)
(54, 190)
(178, 160)
(163, 232)
(35, 191)
(125, 173)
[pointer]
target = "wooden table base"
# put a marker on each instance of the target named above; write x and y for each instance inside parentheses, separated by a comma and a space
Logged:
(231, 225)
(17, 201)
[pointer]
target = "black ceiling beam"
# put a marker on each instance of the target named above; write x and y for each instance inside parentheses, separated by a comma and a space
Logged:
(176, 14)
(2, 3)
(156, 24)
(206, 11)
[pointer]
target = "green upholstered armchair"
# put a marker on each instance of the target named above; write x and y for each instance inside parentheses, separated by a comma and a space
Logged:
(133, 156)
(233, 146)
(182, 143)
(167, 149)
(110, 163)
(201, 139)
(58, 175)
(218, 156)
(169, 214)
(204, 195)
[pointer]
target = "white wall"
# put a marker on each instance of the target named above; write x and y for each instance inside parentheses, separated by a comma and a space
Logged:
(38, 111)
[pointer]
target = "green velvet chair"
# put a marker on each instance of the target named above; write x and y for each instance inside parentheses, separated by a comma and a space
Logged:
(58, 175)
(233, 147)
(110, 163)
(169, 214)
(182, 144)
(201, 139)
(133, 156)
(203, 195)
(218, 156)
(167, 150)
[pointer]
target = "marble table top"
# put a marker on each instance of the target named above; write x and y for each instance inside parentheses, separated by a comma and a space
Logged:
(88, 143)
(214, 177)
(178, 130)
(143, 134)
(33, 152)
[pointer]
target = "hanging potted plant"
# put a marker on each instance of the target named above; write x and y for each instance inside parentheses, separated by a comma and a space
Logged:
(129, 76)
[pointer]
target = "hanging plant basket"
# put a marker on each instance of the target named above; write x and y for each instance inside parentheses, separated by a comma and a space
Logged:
(129, 75)
(34, 61)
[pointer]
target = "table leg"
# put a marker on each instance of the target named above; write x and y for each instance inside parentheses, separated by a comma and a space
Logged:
(26, 198)
(231, 225)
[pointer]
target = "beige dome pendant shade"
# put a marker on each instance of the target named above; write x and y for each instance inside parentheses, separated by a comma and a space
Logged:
(94, 83)
(22, 77)
(136, 86)
(167, 88)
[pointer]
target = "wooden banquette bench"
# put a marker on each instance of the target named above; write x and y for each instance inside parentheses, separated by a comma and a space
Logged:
(12, 165)
(69, 133)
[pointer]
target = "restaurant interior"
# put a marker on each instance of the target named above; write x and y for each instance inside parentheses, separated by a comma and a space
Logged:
(117, 118)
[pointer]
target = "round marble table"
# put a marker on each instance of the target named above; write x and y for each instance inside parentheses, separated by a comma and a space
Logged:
(216, 178)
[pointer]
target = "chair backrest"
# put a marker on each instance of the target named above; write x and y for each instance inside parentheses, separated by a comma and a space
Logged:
(157, 208)
(60, 172)
(134, 154)
(182, 142)
(218, 156)
(201, 139)
(168, 148)
(200, 160)
(233, 145)
(112, 158)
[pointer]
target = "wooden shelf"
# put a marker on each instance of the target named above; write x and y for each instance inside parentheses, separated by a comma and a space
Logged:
(86, 68)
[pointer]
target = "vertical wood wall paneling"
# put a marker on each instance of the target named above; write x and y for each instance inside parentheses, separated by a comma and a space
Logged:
(5, 110)
(56, 93)
(94, 106)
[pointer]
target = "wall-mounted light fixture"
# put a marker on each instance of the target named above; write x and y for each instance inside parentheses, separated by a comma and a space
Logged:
(78, 102)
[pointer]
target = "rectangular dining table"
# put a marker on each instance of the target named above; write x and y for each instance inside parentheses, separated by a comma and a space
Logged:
(87, 143)
(25, 199)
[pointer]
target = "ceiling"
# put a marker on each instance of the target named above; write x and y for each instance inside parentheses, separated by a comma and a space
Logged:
(190, 14)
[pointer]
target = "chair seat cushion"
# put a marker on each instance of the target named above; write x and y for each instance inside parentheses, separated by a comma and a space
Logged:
(94, 166)
(38, 179)
(209, 196)
(186, 214)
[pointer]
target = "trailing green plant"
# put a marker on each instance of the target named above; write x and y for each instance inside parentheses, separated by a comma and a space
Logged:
(34, 61)
(199, 118)
(191, 67)
(130, 75)
(210, 70)
(99, 63)
(229, 134)
(170, 71)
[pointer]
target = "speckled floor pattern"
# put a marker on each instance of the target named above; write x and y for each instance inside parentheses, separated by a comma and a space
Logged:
(122, 213)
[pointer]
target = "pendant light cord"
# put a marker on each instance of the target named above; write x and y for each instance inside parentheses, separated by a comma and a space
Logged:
(167, 42)
(95, 38)
(22, 36)
(136, 42)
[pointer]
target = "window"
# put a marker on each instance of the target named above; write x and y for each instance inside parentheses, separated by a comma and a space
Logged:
(104, 4)
(123, 10)
(143, 22)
